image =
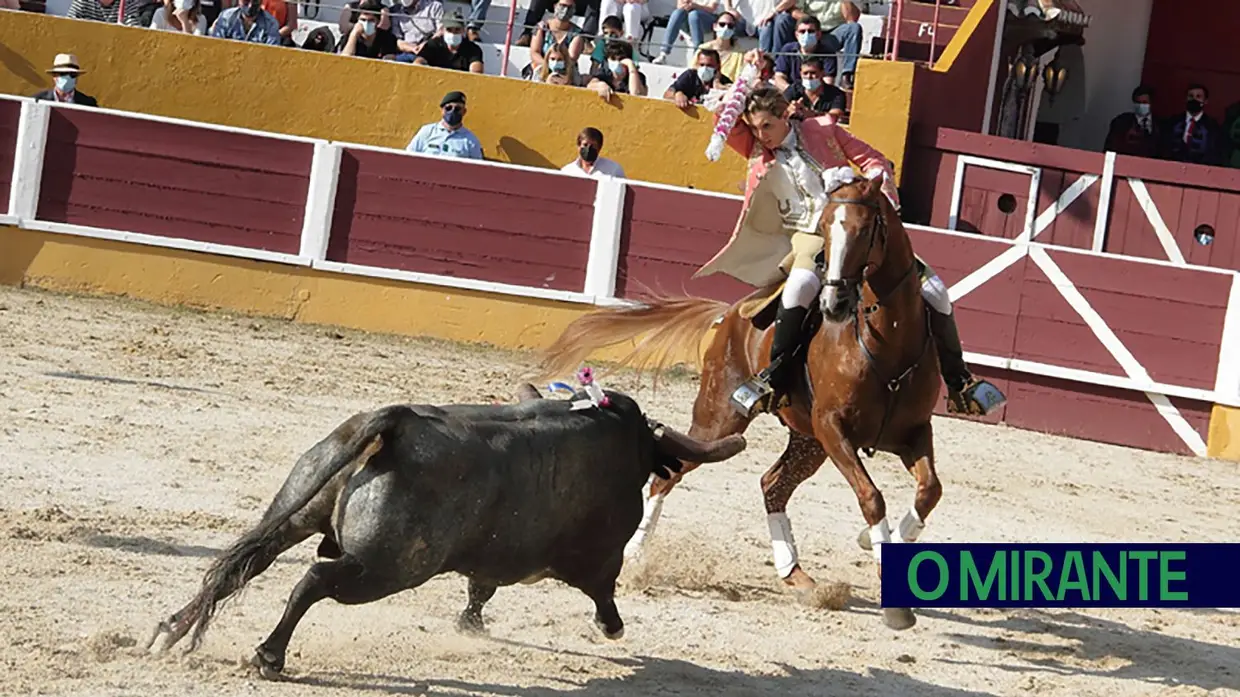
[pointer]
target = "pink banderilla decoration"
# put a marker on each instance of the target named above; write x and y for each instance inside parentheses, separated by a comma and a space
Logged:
(586, 377)
(730, 109)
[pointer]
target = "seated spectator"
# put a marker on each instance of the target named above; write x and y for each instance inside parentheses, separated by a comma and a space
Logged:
(766, 71)
(1135, 132)
(1193, 135)
(557, 30)
(320, 39)
(367, 40)
(612, 31)
(692, 85)
(448, 137)
(180, 16)
(106, 11)
(618, 73)
(841, 33)
(477, 16)
(285, 13)
(65, 69)
(699, 16)
(557, 69)
(451, 49)
(414, 22)
(812, 97)
(632, 11)
(730, 58)
(249, 22)
(809, 43)
(775, 24)
(589, 162)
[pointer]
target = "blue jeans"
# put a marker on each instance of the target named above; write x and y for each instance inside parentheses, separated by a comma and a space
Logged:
(478, 13)
(848, 35)
(777, 32)
(699, 21)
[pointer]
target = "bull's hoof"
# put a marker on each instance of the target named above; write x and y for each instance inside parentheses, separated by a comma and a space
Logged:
(269, 665)
(161, 639)
(469, 623)
(899, 618)
(613, 635)
(863, 539)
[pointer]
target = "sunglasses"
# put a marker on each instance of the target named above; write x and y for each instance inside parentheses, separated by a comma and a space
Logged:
(725, 25)
(452, 107)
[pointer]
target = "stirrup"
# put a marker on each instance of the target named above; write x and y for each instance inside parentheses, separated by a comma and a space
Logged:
(978, 398)
(756, 395)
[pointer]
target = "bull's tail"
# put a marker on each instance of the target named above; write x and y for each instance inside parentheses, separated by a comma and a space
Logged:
(675, 325)
(360, 436)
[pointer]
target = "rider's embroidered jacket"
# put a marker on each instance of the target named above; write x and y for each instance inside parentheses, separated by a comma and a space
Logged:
(760, 241)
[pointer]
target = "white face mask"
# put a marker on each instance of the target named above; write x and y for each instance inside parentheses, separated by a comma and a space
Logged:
(407, 3)
(1141, 109)
(453, 40)
(184, 4)
(368, 27)
(706, 73)
(616, 67)
(66, 83)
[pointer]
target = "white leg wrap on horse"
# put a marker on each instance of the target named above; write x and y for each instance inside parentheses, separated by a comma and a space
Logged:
(782, 544)
(651, 509)
(800, 289)
(879, 535)
(911, 526)
(934, 291)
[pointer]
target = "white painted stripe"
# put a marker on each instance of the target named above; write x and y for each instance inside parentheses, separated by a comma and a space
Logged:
(1227, 381)
(28, 155)
(1066, 198)
(1165, 237)
(452, 282)
(999, 164)
(1103, 216)
(605, 236)
(184, 122)
(703, 192)
(480, 163)
(320, 200)
(987, 271)
(169, 242)
(1035, 182)
(953, 212)
(1127, 361)
(1178, 423)
(10, 220)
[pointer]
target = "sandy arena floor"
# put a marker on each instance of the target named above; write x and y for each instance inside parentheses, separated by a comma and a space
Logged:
(136, 442)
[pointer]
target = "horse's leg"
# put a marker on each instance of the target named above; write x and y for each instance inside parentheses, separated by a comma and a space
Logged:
(844, 454)
(918, 458)
(799, 461)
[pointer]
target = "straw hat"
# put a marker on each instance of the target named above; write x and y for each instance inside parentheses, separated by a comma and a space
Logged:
(66, 64)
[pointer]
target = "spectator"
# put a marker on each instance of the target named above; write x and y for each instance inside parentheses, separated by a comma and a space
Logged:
(1135, 132)
(809, 43)
(618, 73)
(632, 11)
(557, 30)
(589, 162)
(414, 22)
(766, 71)
(180, 16)
(106, 11)
(367, 40)
(812, 96)
(698, 15)
(775, 24)
(557, 69)
(65, 69)
(477, 15)
(320, 39)
(841, 33)
(691, 85)
(447, 137)
(730, 59)
(249, 22)
(1193, 135)
(451, 49)
(286, 16)
(612, 31)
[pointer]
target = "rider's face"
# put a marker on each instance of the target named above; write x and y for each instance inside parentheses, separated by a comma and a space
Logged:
(769, 129)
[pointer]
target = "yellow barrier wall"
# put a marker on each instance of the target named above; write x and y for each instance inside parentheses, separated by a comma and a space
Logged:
(377, 102)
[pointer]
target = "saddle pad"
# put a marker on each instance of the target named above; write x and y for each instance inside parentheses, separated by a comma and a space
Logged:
(759, 307)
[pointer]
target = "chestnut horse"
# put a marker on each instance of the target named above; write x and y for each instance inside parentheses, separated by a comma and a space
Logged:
(870, 375)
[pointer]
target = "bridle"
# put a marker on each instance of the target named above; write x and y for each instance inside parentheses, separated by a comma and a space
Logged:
(876, 230)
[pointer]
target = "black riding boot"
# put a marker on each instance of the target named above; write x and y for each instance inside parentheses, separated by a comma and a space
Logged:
(951, 353)
(764, 391)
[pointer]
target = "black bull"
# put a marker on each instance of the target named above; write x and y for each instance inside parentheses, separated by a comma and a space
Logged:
(501, 494)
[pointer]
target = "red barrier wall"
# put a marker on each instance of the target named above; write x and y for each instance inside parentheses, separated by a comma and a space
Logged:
(112, 172)
(10, 112)
(462, 220)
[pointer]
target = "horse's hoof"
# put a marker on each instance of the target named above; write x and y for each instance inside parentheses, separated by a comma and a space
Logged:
(799, 581)
(269, 666)
(470, 624)
(899, 618)
(863, 539)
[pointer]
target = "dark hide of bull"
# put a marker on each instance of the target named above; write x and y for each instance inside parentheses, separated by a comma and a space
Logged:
(499, 493)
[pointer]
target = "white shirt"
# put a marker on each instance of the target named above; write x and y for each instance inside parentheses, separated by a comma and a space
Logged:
(602, 167)
(159, 21)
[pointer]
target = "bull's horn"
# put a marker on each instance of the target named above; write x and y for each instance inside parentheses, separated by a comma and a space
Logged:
(527, 392)
(683, 447)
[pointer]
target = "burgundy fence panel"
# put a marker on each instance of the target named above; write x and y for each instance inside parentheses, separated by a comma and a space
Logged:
(10, 114)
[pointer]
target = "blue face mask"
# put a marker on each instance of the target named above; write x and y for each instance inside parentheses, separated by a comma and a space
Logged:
(811, 83)
(616, 67)
(453, 117)
(556, 66)
(706, 73)
(368, 27)
(724, 32)
(66, 83)
(807, 39)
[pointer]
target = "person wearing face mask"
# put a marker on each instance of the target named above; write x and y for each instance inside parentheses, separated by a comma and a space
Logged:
(589, 162)
(558, 69)
(618, 73)
(65, 71)
(249, 22)
(451, 49)
(730, 59)
(1135, 132)
(612, 31)
(557, 30)
(413, 23)
(692, 85)
(448, 137)
(812, 96)
(1193, 135)
(180, 16)
(367, 40)
(809, 42)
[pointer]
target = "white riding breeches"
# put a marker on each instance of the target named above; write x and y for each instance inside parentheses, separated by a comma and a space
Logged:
(934, 291)
(800, 289)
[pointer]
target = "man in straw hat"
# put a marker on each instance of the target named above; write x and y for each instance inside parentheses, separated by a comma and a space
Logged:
(65, 70)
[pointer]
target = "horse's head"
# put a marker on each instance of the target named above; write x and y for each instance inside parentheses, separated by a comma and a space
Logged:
(854, 227)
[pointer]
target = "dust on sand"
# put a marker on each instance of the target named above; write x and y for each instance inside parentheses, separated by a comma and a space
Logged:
(138, 441)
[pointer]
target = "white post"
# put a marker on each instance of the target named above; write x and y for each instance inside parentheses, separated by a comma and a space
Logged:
(605, 232)
(28, 160)
(1104, 203)
(316, 224)
(1227, 380)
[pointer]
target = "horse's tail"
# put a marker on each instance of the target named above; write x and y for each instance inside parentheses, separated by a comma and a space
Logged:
(674, 324)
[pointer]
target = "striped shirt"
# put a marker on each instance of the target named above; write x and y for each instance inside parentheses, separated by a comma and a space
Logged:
(92, 11)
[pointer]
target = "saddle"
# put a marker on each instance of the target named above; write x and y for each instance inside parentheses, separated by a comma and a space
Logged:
(760, 306)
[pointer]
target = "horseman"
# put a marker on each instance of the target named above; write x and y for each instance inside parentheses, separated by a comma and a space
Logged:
(793, 166)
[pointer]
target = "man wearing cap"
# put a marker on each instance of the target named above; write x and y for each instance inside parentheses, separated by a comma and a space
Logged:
(451, 49)
(249, 22)
(447, 137)
(65, 70)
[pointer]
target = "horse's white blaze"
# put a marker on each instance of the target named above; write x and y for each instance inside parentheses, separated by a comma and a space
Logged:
(651, 508)
(911, 526)
(879, 535)
(782, 543)
(837, 241)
